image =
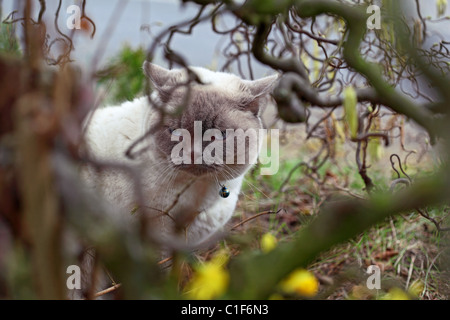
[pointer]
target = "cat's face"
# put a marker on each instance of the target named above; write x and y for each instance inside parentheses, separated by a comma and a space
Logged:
(217, 128)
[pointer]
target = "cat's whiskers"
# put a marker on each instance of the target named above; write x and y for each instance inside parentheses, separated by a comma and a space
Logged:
(168, 172)
(214, 175)
(251, 185)
(148, 167)
(229, 173)
(162, 170)
(164, 174)
(172, 177)
(161, 163)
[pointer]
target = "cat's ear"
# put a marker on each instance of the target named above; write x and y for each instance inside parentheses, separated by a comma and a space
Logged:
(160, 77)
(259, 89)
(262, 86)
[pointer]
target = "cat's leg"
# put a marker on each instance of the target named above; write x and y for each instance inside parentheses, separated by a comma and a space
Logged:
(210, 222)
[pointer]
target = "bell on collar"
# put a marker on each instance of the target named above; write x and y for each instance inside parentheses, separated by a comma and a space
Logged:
(224, 192)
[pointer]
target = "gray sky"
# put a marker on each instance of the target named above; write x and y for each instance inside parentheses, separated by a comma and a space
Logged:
(202, 48)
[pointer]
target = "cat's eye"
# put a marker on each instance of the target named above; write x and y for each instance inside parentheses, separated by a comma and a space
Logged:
(176, 132)
(221, 136)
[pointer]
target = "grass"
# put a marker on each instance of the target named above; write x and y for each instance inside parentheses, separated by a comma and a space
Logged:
(9, 44)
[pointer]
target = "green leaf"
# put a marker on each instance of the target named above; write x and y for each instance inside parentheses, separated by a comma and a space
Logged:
(441, 6)
(351, 114)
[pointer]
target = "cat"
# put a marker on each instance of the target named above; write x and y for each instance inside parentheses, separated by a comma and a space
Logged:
(191, 202)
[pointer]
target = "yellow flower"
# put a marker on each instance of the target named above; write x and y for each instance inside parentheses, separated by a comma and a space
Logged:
(268, 242)
(209, 282)
(396, 294)
(302, 282)
(416, 288)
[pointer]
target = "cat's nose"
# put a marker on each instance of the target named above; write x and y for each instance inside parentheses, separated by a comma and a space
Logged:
(196, 157)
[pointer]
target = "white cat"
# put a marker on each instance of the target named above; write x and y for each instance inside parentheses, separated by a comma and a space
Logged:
(184, 198)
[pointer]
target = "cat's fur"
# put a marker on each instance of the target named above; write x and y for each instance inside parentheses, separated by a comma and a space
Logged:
(222, 101)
